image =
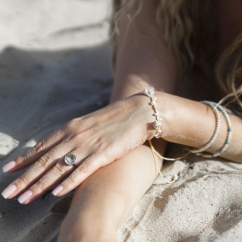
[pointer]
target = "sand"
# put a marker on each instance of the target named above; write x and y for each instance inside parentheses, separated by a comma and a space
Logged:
(54, 66)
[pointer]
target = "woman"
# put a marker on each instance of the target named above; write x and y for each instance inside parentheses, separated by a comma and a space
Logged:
(185, 48)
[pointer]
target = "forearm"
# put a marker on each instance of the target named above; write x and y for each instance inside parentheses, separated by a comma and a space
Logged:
(142, 58)
(117, 187)
(193, 124)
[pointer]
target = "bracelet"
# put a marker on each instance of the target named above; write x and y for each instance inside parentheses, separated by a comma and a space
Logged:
(157, 124)
(154, 152)
(216, 108)
(149, 92)
(229, 134)
(218, 124)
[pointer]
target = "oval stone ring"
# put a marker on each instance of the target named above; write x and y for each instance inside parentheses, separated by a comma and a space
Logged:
(70, 159)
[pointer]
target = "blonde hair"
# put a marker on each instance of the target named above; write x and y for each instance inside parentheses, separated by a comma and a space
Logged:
(190, 31)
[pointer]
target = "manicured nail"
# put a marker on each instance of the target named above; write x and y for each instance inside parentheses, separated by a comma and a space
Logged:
(10, 165)
(57, 190)
(8, 191)
(25, 196)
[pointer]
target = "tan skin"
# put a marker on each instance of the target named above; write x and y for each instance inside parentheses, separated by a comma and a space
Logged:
(114, 171)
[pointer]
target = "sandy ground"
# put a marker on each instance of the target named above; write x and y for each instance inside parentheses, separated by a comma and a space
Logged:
(54, 66)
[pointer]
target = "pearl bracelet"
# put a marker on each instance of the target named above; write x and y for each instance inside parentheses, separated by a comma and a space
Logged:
(229, 134)
(149, 92)
(218, 124)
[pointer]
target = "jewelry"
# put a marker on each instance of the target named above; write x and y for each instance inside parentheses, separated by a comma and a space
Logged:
(165, 158)
(154, 152)
(218, 124)
(229, 134)
(157, 123)
(156, 163)
(70, 159)
(149, 92)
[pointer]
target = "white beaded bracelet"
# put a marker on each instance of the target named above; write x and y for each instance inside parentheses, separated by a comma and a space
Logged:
(229, 134)
(218, 124)
(149, 92)
(216, 108)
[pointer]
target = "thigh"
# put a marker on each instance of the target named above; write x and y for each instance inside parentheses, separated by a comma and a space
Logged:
(106, 198)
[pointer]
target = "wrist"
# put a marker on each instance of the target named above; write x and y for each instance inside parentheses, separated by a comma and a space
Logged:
(159, 112)
(149, 113)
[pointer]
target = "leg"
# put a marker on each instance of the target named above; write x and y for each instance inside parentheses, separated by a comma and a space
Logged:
(105, 199)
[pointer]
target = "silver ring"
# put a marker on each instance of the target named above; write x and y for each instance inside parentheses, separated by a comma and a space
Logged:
(70, 159)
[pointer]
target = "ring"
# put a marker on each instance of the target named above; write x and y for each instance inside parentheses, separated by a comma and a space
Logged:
(70, 159)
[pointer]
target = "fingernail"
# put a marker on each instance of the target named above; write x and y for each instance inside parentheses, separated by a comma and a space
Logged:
(57, 190)
(25, 196)
(8, 191)
(10, 165)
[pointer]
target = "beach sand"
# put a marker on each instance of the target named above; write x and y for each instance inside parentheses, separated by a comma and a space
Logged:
(54, 66)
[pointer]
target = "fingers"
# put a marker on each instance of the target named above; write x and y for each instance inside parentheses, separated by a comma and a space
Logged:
(68, 131)
(82, 172)
(77, 174)
(50, 161)
(45, 174)
(94, 143)
(49, 169)
(34, 153)
(45, 183)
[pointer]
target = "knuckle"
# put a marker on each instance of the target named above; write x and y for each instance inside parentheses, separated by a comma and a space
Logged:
(38, 147)
(22, 158)
(38, 187)
(79, 137)
(22, 181)
(108, 154)
(84, 168)
(98, 159)
(102, 147)
(43, 161)
(59, 168)
(72, 124)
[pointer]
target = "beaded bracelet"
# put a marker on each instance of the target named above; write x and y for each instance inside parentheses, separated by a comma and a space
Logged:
(218, 124)
(229, 134)
(149, 92)
(157, 124)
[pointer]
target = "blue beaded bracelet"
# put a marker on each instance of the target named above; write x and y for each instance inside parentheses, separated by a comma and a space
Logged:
(229, 134)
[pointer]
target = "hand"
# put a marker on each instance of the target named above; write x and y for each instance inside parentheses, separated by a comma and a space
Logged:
(96, 139)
